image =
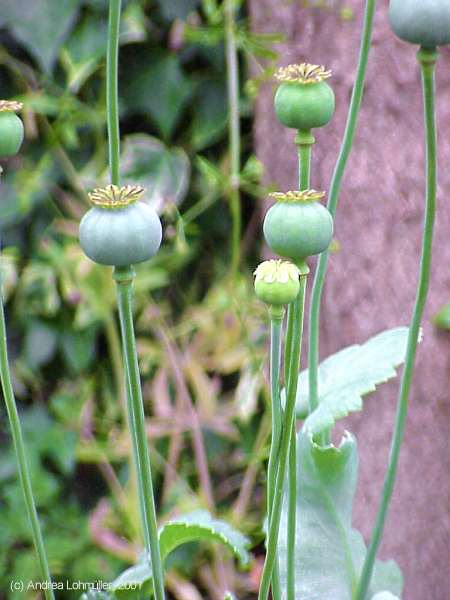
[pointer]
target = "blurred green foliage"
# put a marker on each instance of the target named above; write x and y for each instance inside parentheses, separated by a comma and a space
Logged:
(64, 343)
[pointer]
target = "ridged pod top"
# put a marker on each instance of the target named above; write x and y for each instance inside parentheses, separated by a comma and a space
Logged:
(302, 73)
(113, 197)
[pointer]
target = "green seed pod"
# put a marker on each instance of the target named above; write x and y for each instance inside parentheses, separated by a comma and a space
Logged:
(422, 22)
(304, 100)
(120, 230)
(298, 226)
(11, 128)
(277, 282)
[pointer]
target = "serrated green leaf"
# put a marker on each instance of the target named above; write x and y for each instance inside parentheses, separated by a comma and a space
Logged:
(350, 374)
(164, 172)
(40, 26)
(199, 525)
(329, 552)
(194, 527)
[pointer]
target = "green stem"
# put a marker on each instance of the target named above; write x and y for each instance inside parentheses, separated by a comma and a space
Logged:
(427, 59)
(333, 199)
(21, 456)
(276, 322)
(124, 277)
(305, 142)
(289, 420)
(234, 132)
(112, 89)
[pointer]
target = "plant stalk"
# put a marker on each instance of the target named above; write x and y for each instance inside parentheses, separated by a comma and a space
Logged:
(112, 89)
(333, 199)
(276, 323)
(124, 277)
(289, 420)
(21, 456)
(427, 59)
(234, 128)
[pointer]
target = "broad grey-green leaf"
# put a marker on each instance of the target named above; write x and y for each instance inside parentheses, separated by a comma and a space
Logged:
(385, 596)
(350, 374)
(194, 527)
(164, 172)
(40, 25)
(329, 552)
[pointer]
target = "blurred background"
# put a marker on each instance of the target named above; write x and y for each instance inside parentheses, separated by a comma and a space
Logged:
(201, 334)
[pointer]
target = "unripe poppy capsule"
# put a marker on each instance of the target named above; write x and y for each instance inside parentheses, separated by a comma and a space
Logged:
(304, 99)
(297, 225)
(422, 22)
(277, 282)
(120, 229)
(11, 128)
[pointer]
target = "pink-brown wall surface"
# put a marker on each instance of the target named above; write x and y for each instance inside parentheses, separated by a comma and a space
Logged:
(372, 279)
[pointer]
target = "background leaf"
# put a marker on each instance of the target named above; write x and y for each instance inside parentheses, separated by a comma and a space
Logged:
(329, 552)
(41, 25)
(164, 172)
(350, 374)
(158, 87)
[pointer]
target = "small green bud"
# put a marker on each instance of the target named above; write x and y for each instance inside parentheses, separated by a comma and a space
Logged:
(277, 282)
(304, 100)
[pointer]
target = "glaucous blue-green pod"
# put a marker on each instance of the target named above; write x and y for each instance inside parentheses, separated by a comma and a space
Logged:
(304, 100)
(422, 22)
(298, 225)
(277, 282)
(11, 128)
(120, 230)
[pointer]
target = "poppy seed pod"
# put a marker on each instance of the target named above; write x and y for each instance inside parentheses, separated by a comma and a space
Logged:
(277, 282)
(120, 229)
(297, 225)
(422, 22)
(11, 128)
(304, 99)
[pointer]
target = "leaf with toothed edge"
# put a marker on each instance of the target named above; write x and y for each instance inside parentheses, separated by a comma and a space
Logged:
(194, 527)
(349, 375)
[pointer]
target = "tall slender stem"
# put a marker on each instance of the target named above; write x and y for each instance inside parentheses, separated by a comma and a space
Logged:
(276, 322)
(305, 142)
(234, 131)
(124, 277)
(112, 89)
(427, 59)
(289, 420)
(333, 199)
(21, 456)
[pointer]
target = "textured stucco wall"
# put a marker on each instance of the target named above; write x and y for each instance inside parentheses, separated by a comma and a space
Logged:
(371, 282)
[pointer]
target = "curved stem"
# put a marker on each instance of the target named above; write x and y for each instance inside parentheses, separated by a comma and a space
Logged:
(333, 198)
(276, 322)
(427, 59)
(289, 420)
(112, 89)
(21, 456)
(234, 132)
(124, 277)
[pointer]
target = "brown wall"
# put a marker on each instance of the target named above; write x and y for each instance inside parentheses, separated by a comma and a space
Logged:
(371, 282)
